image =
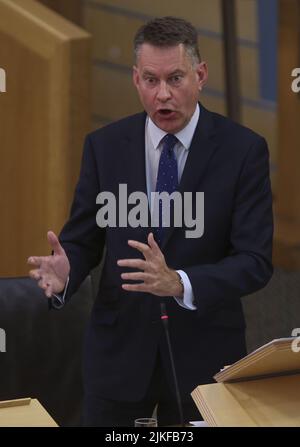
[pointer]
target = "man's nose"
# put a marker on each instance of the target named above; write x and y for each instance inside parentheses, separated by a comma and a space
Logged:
(163, 92)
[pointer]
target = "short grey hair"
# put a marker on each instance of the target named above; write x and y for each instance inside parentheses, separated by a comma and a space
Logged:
(168, 32)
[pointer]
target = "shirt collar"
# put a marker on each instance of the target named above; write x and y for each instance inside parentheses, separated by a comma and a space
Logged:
(185, 135)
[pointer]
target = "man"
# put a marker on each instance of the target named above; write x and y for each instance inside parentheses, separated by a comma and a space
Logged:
(200, 279)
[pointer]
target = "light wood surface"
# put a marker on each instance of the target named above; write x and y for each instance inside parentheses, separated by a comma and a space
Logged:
(258, 403)
(24, 413)
(260, 390)
(70, 9)
(44, 116)
(276, 357)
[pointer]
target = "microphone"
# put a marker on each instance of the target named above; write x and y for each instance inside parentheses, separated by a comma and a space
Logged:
(164, 317)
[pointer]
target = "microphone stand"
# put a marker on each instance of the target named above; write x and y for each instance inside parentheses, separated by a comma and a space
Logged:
(164, 317)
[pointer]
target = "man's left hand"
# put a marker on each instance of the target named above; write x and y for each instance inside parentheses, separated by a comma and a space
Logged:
(157, 277)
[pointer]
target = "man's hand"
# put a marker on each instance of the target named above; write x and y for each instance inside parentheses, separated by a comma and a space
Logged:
(157, 277)
(51, 272)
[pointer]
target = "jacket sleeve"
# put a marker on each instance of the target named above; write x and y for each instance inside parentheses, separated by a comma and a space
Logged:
(81, 238)
(248, 266)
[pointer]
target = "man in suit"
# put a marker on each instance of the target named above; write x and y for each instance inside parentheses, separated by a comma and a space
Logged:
(127, 369)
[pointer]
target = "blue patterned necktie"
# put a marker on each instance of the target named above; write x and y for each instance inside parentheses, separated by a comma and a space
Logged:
(167, 178)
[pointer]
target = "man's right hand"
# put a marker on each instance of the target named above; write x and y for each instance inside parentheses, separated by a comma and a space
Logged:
(51, 272)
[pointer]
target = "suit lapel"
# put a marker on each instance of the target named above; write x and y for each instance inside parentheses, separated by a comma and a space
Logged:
(133, 161)
(201, 150)
(135, 158)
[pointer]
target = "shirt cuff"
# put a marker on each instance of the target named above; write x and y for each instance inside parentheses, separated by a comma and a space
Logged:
(58, 300)
(188, 296)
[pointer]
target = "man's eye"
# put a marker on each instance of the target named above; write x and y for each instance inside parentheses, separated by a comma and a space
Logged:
(151, 81)
(175, 79)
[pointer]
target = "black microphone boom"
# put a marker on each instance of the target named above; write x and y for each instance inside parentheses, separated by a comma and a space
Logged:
(164, 317)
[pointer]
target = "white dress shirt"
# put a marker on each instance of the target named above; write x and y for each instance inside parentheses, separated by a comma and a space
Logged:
(153, 148)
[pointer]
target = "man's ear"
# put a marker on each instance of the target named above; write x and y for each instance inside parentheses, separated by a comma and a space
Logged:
(202, 72)
(135, 76)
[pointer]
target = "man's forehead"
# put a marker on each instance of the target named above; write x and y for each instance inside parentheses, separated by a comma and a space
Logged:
(169, 58)
(147, 50)
(148, 70)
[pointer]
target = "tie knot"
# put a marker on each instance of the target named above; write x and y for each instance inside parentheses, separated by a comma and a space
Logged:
(170, 139)
(169, 142)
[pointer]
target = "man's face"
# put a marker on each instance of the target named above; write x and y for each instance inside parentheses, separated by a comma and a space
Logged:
(168, 85)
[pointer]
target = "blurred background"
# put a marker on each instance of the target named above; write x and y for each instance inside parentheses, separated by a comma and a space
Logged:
(68, 67)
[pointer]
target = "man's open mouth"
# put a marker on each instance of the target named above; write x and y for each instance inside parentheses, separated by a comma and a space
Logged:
(165, 112)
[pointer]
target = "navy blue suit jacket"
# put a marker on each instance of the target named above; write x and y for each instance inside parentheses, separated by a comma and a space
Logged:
(230, 164)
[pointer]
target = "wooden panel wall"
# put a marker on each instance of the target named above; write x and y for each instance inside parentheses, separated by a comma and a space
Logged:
(287, 235)
(44, 116)
(70, 9)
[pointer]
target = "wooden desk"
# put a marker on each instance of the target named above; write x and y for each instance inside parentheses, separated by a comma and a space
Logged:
(24, 413)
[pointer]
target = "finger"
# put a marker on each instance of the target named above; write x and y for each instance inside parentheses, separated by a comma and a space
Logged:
(48, 290)
(44, 283)
(135, 287)
(136, 276)
(35, 260)
(153, 244)
(35, 274)
(41, 283)
(143, 248)
(55, 244)
(134, 263)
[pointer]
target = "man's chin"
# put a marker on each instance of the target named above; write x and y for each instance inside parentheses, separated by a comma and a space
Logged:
(169, 125)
